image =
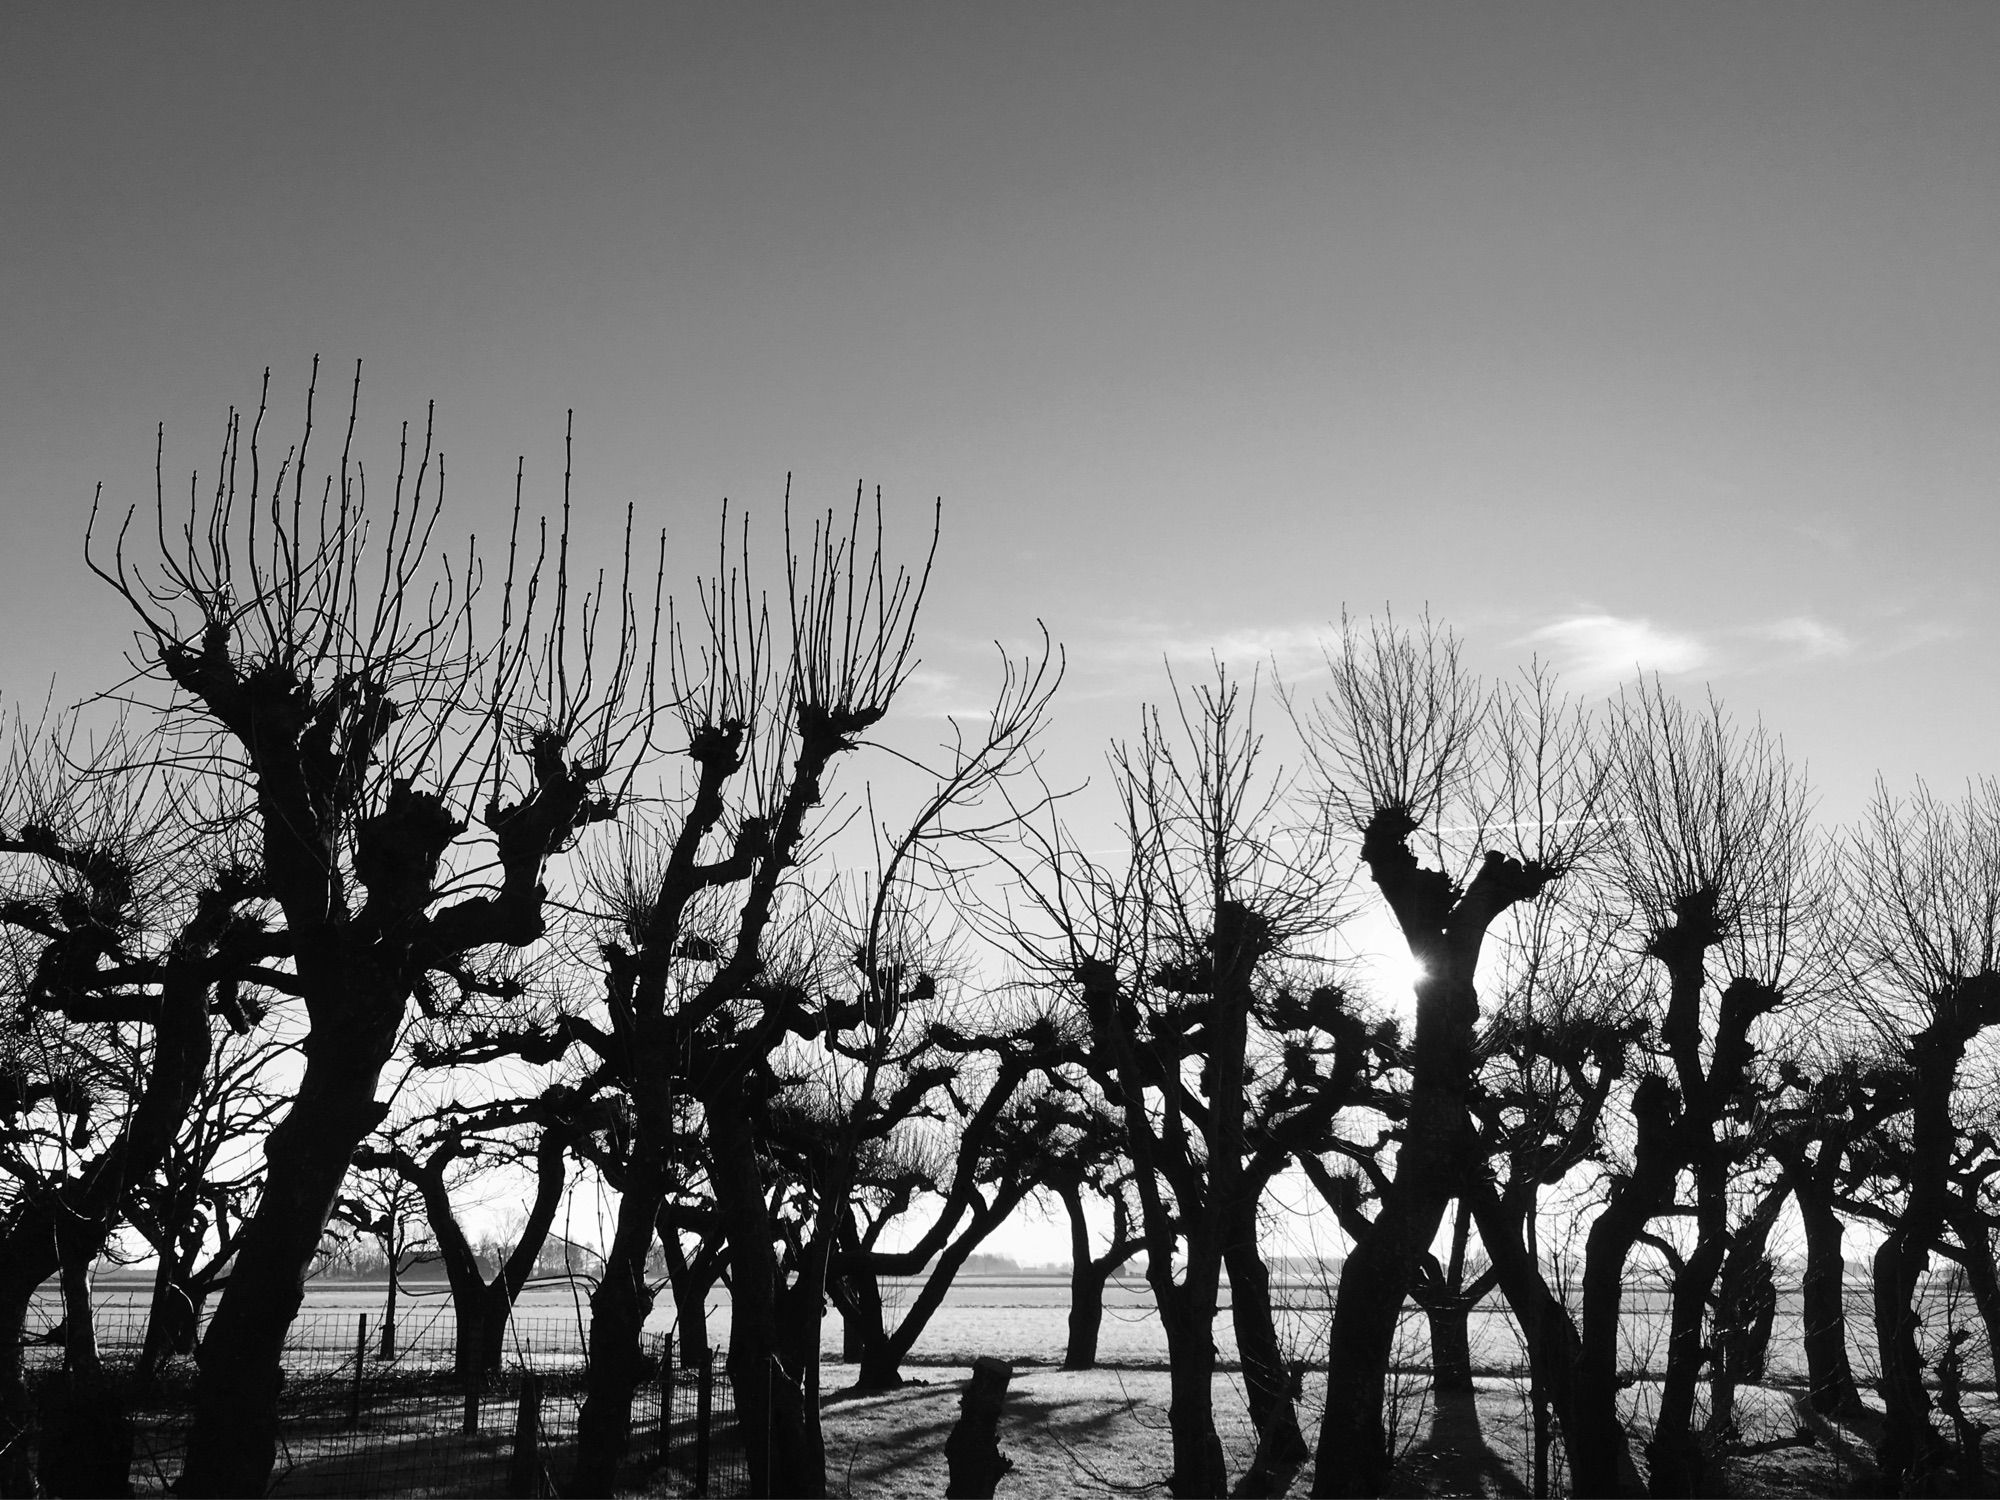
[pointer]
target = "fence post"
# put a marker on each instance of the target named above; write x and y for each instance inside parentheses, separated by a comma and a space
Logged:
(666, 1396)
(525, 1473)
(471, 1424)
(360, 1364)
(704, 1405)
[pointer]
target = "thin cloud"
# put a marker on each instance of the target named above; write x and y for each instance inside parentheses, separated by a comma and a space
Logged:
(1601, 650)
(1128, 646)
(1807, 638)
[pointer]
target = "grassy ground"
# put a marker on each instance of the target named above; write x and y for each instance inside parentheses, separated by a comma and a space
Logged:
(1105, 1432)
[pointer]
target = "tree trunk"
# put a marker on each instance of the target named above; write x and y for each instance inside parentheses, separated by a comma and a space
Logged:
(1354, 1458)
(172, 1320)
(618, 1312)
(1086, 1314)
(388, 1349)
(1982, 1275)
(1911, 1448)
(86, 1441)
(1829, 1376)
(1599, 1439)
(864, 1337)
(690, 1291)
(233, 1442)
(16, 1416)
(1676, 1457)
(1450, 1320)
(882, 1361)
(1188, 1319)
(780, 1430)
(1087, 1277)
(1555, 1351)
(1281, 1445)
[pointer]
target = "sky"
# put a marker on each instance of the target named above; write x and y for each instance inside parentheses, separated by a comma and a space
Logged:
(1630, 335)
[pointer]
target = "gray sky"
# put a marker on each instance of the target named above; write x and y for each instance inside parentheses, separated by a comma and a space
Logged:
(1659, 334)
(1666, 334)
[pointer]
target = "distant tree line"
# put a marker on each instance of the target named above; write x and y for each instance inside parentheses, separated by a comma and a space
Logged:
(392, 870)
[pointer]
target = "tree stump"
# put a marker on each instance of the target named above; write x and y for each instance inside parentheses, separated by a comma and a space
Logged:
(972, 1452)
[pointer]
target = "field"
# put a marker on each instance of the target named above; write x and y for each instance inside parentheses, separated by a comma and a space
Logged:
(1100, 1431)
(1025, 1319)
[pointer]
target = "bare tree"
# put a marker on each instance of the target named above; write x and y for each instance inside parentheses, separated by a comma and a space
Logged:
(380, 1204)
(1092, 1161)
(1717, 863)
(705, 982)
(406, 772)
(452, 1148)
(116, 932)
(192, 1210)
(1172, 960)
(1924, 879)
(1412, 751)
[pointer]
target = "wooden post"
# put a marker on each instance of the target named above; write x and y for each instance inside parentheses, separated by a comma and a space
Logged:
(972, 1452)
(666, 1396)
(471, 1423)
(360, 1363)
(524, 1474)
(704, 1405)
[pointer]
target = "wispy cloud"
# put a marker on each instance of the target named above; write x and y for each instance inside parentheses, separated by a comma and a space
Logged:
(1123, 648)
(931, 693)
(1805, 637)
(1598, 650)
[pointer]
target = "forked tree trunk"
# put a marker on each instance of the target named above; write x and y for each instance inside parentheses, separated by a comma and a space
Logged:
(1445, 930)
(884, 1350)
(1087, 1278)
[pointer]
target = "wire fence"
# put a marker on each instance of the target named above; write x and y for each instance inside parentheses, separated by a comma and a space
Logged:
(363, 1415)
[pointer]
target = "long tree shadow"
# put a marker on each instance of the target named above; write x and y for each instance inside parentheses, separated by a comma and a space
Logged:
(1454, 1457)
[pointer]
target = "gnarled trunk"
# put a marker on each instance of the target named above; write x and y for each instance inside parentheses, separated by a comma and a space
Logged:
(233, 1442)
(1354, 1457)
